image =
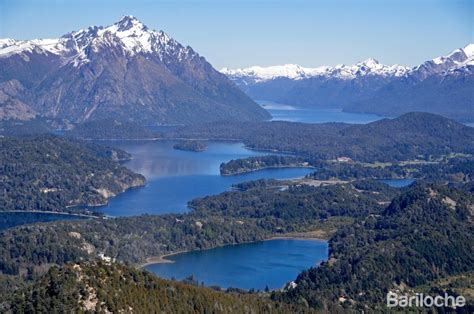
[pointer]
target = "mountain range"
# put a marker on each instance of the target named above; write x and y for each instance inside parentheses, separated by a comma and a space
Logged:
(443, 85)
(125, 71)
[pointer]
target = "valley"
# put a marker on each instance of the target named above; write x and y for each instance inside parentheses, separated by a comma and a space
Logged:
(135, 177)
(442, 85)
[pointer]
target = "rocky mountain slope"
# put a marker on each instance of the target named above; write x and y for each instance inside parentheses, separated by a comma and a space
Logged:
(124, 71)
(443, 85)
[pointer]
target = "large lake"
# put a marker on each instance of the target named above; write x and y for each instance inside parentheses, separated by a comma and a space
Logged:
(175, 177)
(282, 112)
(254, 265)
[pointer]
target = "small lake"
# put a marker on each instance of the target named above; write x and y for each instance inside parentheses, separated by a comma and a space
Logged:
(175, 177)
(256, 265)
(398, 183)
(282, 112)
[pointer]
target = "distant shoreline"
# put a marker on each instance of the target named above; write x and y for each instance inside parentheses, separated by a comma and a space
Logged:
(162, 259)
(265, 168)
(49, 212)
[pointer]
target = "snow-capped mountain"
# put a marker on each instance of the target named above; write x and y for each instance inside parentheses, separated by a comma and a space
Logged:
(441, 85)
(459, 59)
(124, 70)
(129, 34)
(295, 72)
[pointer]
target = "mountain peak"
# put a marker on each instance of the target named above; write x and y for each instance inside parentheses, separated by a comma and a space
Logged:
(371, 61)
(469, 50)
(127, 22)
(123, 71)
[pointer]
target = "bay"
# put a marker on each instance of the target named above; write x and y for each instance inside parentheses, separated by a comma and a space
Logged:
(174, 177)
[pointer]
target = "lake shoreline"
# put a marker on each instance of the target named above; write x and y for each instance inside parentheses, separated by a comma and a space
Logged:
(50, 212)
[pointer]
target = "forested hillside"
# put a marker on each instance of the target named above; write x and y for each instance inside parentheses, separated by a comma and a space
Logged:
(411, 136)
(49, 173)
(113, 288)
(425, 234)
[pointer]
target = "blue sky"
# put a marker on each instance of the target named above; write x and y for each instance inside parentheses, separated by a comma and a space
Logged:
(244, 33)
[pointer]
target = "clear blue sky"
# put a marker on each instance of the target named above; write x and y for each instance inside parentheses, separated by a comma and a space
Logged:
(244, 33)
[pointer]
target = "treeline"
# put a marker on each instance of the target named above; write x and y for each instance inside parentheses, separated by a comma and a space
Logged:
(50, 173)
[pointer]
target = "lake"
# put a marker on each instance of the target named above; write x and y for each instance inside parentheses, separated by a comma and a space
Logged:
(175, 177)
(282, 112)
(256, 265)
(398, 183)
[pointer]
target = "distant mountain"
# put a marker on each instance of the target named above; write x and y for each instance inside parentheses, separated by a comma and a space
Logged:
(369, 67)
(125, 71)
(444, 85)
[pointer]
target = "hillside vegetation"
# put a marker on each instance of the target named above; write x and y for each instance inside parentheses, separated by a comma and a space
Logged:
(49, 173)
(408, 137)
(114, 288)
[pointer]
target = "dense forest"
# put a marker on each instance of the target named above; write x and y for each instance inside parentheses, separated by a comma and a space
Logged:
(94, 287)
(408, 137)
(448, 169)
(243, 165)
(424, 235)
(194, 146)
(411, 136)
(110, 129)
(50, 173)
(228, 218)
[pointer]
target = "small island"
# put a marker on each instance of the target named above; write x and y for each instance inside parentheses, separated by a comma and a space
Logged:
(194, 146)
(249, 164)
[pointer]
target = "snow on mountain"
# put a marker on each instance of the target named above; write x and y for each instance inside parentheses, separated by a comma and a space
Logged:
(124, 71)
(296, 72)
(128, 33)
(455, 60)
(291, 71)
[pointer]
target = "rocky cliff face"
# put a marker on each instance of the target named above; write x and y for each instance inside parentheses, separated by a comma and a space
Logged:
(124, 71)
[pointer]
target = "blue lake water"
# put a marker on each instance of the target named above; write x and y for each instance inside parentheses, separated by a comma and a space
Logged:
(253, 265)
(398, 183)
(282, 112)
(175, 177)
